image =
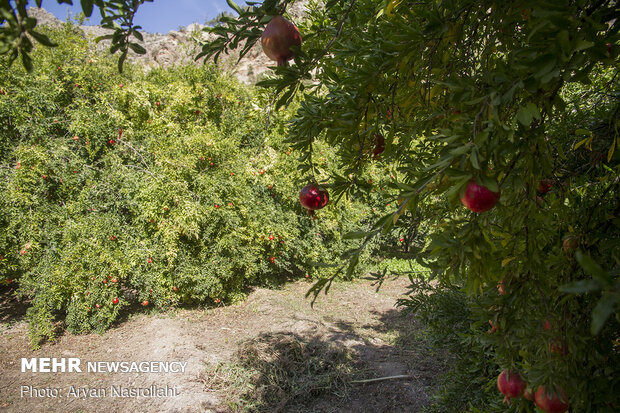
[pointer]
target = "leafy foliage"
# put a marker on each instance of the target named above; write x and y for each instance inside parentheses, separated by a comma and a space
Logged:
(117, 15)
(512, 94)
(167, 188)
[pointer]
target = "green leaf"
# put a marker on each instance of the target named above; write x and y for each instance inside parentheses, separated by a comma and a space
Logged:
(285, 98)
(137, 48)
(528, 113)
(601, 312)
(27, 62)
(581, 286)
(234, 6)
(591, 267)
(87, 7)
(473, 158)
(583, 45)
(137, 35)
(358, 234)
(490, 183)
(41, 38)
(121, 60)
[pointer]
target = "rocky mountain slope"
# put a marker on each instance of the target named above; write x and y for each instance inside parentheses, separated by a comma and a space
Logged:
(179, 47)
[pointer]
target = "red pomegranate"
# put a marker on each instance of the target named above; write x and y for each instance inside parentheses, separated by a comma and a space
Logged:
(544, 186)
(501, 287)
(570, 243)
(551, 402)
(479, 198)
(379, 145)
(510, 384)
(277, 39)
(313, 197)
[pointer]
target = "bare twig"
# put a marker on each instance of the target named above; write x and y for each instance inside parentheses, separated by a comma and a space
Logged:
(401, 376)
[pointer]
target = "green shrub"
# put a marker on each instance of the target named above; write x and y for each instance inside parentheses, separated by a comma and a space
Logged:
(163, 187)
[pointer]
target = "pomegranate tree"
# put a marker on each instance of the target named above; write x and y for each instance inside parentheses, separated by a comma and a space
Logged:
(479, 198)
(313, 197)
(510, 384)
(551, 402)
(278, 38)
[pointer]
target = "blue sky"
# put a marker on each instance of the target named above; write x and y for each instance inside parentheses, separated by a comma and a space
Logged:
(160, 16)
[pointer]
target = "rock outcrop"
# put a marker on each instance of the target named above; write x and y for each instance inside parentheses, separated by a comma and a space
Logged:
(179, 47)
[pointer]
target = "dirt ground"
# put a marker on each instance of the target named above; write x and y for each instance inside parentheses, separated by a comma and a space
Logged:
(353, 314)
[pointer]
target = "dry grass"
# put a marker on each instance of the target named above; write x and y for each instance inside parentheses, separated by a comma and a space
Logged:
(283, 372)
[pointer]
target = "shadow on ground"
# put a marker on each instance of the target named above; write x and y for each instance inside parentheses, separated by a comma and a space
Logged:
(383, 366)
(12, 310)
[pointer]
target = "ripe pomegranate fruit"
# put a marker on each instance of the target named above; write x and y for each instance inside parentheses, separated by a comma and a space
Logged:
(558, 346)
(313, 197)
(570, 243)
(551, 402)
(544, 186)
(501, 288)
(277, 39)
(478, 198)
(510, 384)
(379, 145)
(145, 303)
